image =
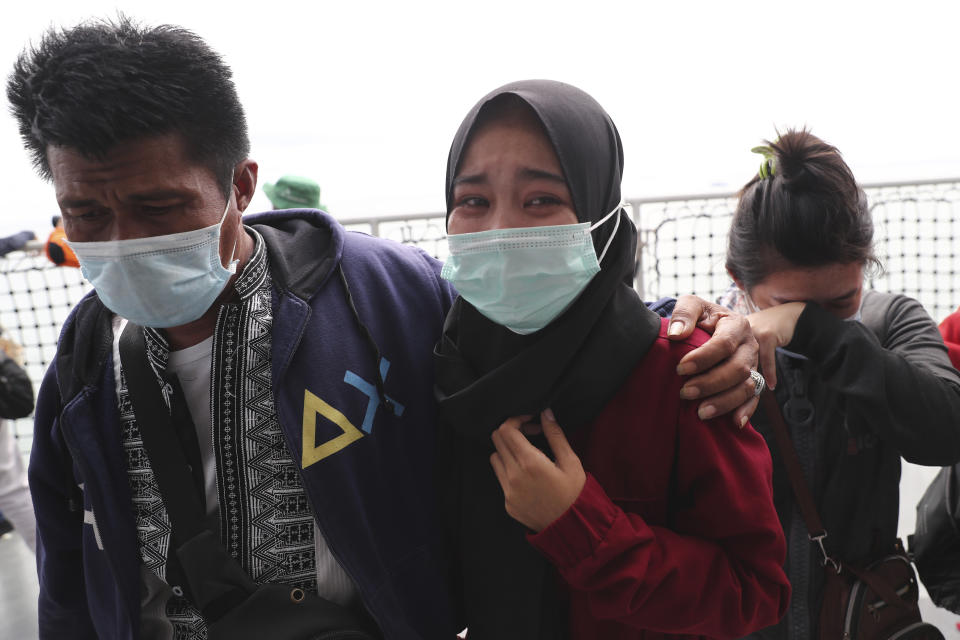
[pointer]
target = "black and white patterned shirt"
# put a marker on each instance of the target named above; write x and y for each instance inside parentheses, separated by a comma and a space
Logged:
(265, 519)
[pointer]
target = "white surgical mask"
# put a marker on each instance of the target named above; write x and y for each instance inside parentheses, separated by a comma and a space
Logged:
(523, 278)
(159, 281)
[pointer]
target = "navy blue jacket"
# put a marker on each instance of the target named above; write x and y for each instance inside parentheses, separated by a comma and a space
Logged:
(368, 468)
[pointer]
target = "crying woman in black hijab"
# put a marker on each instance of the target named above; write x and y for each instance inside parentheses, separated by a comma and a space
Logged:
(558, 390)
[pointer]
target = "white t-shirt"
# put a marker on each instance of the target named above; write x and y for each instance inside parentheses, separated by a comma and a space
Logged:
(192, 368)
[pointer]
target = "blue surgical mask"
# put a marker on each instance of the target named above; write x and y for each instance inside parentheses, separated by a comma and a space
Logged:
(525, 277)
(160, 281)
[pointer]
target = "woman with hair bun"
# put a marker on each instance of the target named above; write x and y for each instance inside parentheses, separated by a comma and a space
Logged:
(862, 378)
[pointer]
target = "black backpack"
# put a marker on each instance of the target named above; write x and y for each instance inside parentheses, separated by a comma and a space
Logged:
(935, 544)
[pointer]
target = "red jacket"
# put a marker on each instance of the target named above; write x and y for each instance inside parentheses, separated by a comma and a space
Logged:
(675, 532)
(950, 330)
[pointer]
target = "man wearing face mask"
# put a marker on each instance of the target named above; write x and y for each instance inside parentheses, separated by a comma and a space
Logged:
(305, 416)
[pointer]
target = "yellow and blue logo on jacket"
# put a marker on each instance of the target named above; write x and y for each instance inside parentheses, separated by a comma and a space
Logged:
(314, 406)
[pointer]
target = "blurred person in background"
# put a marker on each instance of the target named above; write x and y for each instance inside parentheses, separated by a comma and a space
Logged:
(16, 401)
(862, 377)
(15, 242)
(294, 192)
(950, 330)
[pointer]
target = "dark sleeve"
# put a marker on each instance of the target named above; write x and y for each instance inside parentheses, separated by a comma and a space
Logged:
(62, 605)
(662, 307)
(450, 497)
(16, 390)
(904, 388)
(16, 241)
(449, 476)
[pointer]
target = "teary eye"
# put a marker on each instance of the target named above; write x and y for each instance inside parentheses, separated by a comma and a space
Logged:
(472, 201)
(544, 200)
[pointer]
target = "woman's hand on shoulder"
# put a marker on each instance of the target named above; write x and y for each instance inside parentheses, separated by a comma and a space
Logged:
(536, 489)
(774, 327)
(720, 368)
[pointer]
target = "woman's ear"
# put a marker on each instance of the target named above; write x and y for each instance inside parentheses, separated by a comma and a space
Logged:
(736, 280)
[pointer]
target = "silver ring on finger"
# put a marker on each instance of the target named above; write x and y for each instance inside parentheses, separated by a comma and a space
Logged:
(759, 384)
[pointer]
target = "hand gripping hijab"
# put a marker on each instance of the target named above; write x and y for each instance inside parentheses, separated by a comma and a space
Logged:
(486, 373)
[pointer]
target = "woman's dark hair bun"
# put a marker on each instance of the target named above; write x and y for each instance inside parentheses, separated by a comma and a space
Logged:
(804, 161)
(807, 212)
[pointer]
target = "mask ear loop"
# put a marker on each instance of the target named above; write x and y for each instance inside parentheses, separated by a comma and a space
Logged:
(615, 228)
(231, 263)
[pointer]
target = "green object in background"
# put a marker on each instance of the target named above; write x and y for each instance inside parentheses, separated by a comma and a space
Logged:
(294, 192)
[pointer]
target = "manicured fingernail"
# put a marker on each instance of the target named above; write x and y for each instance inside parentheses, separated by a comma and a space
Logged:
(707, 411)
(689, 393)
(686, 368)
(675, 329)
(548, 414)
(743, 421)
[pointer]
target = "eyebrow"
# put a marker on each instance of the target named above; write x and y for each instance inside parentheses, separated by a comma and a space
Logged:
(475, 178)
(67, 204)
(526, 173)
(540, 174)
(159, 194)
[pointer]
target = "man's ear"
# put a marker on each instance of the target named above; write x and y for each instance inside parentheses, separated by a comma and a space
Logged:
(245, 182)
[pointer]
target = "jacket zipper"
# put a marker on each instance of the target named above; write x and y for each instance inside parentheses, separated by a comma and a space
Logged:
(333, 550)
(316, 514)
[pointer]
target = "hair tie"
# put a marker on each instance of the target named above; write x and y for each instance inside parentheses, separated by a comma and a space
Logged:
(767, 166)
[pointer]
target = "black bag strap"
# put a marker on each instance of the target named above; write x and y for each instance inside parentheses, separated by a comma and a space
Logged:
(169, 463)
(217, 582)
(808, 509)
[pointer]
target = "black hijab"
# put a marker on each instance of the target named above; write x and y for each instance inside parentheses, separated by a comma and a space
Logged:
(575, 365)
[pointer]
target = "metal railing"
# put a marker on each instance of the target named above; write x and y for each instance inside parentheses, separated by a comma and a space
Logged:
(917, 238)
(682, 242)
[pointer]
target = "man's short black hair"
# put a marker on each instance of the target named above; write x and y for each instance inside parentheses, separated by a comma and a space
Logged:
(105, 82)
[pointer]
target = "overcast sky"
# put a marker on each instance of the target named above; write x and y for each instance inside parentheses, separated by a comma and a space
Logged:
(365, 96)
